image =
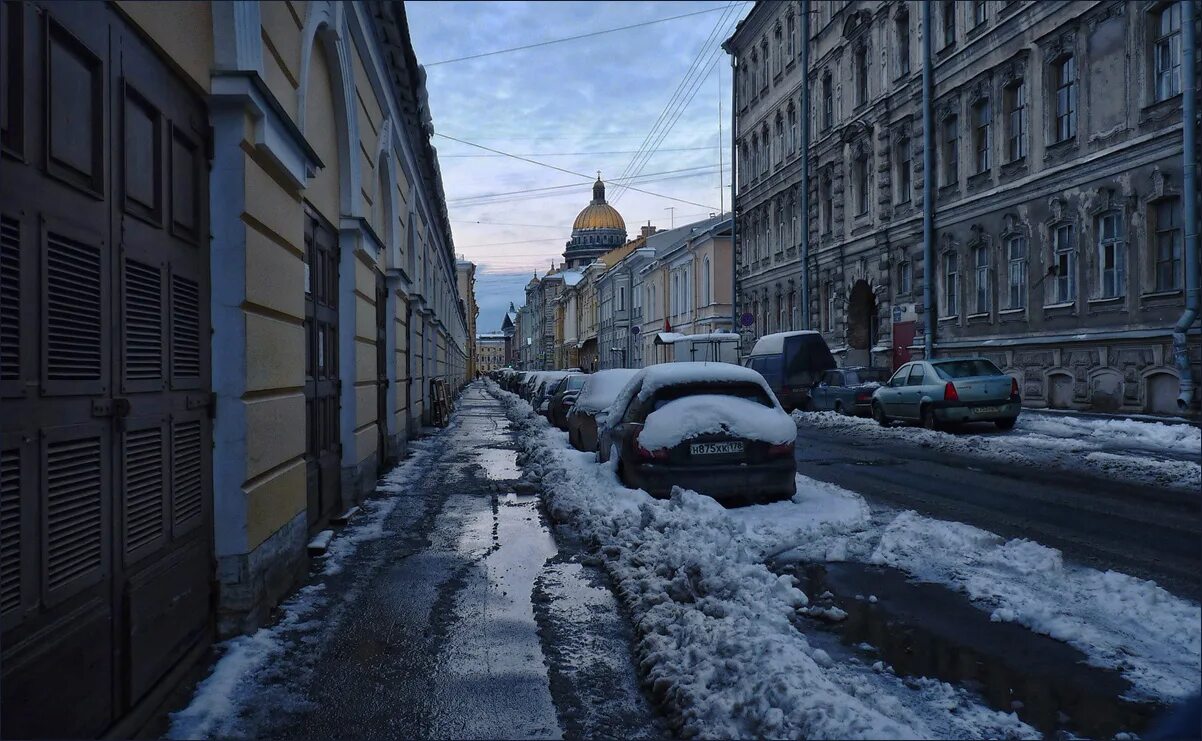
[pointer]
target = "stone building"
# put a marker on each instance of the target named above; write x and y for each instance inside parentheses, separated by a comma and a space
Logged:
(465, 279)
(1058, 167)
(490, 351)
(181, 413)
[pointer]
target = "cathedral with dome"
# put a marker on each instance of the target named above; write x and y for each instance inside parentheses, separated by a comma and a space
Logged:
(598, 229)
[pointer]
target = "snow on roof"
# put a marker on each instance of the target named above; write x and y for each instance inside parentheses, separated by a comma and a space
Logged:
(710, 337)
(655, 377)
(601, 388)
(667, 338)
(774, 343)
(690, 416)
(572, 277)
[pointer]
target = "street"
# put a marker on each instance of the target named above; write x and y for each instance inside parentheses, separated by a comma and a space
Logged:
(450, 608)
(1147, 529)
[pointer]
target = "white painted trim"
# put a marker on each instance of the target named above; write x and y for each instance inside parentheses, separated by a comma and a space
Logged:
(272, 136)
(237, 36)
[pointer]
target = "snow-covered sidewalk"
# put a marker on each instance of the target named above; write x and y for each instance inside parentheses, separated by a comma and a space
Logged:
(717, 637)
(1144, 452)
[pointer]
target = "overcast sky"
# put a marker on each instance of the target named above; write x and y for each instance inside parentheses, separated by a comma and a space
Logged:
(583, 105)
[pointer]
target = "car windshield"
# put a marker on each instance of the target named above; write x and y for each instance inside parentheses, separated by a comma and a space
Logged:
(575, 383)
(966, 369)
(749, 391)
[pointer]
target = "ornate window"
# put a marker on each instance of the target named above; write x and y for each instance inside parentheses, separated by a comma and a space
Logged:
(949, 22)
(860, 60)
(980, 259)
(828, 101)
(826, 196)
(755, 73)
(951, 149)
(1112, 255)
(792, 46)
(781, 225)
(778, 48)
(981, 139)
(980, 12)
(904, 170)
(1064, 263)
(905, 277)
(901, 32)
(780, 139)
(794, 142)
(1064, 71)
(951, 281)
(862, 183)
(1166, 51)
(1015, 96)
(796, 223)
(764, 65)
(1169, 246)
(1016, 274)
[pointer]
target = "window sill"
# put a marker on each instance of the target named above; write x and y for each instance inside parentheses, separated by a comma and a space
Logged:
(952, 318)
(1012, 312)
(1106, 300)
(1172, 293)
(1063, 305)
(982, 315)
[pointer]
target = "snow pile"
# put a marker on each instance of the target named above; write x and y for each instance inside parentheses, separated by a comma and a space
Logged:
(602, 387)
(702, 414)
(1177, 438)
(1119, 621)
(716, 639)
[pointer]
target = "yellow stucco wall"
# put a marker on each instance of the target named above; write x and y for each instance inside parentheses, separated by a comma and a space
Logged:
(281, 32)
(182, 29)
(274, 500)
(322, 131)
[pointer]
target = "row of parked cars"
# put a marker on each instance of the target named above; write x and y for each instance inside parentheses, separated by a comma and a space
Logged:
(715, 428)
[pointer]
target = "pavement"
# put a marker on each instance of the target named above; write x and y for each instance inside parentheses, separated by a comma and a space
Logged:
(463, 617)
(1136, 528)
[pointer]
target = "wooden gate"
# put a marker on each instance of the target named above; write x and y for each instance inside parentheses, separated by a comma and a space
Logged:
(324, 448)
(382, 386)
(105, 444)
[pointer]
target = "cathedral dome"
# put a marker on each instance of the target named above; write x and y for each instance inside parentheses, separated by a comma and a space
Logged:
(599, 214)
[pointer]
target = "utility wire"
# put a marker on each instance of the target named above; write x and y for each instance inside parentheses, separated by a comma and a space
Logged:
(570, 38)
(570, 172)
(573, 185)
(573, 190)
(575, 154)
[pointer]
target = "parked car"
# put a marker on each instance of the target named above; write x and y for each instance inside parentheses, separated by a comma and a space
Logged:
(563, 398)
(715, 428)
(791, 363)
(948, 390)
(592, 405)
(540, 395)
(847, 390)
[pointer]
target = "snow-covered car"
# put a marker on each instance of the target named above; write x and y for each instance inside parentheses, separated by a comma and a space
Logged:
(588, 413)
(540, 396)
(563, 398)
(847, 390)
(948, 390)
(715, 428)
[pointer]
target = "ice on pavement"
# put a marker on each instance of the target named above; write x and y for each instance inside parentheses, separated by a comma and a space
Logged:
(1168, 454)
(717, 642)
(702, 414)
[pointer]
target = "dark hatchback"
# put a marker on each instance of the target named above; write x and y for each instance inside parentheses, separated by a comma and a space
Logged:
(847, 390)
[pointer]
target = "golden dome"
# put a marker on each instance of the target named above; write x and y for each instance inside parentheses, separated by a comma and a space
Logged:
(599, 214)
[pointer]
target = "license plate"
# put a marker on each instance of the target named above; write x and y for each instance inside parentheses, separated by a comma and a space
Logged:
(985, 410)
(715, 448)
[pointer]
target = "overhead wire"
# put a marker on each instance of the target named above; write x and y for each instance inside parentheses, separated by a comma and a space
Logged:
(570, 185)
(580, 154)
(570, 38)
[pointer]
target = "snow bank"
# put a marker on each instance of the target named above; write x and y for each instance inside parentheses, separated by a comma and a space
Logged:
(602, 387)
(714, 623)
(1118, 621)
(1182, 439)
(702, 414)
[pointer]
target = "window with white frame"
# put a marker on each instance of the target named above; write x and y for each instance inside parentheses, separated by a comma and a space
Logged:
(980, 13)
(1016, 276)
(776, 51)
(829, 318)
(981, 134)
(781, 224)
(1016, 120)
(1064, 257)
(862, 184)
(780, 140)
(905, 277)
(796, 224)
(1064, 72)
(951, 150)
(902, 35)
(951, 282)
(949, 22)
(791, 30)
(1166, 51)
(828, 102)
(904, 171)
(828, 208)
(1112, 255)
(981, 279)
(1169, 244)
(793, 142)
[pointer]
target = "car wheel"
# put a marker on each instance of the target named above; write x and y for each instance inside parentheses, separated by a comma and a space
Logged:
(878, 413)
(1006, 424)
(839, 409)
(927, 415)
(624, 475)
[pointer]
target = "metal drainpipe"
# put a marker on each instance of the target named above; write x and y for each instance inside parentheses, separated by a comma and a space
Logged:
(928, 186)
(1189, 192)
(805, 164)
(734, 207)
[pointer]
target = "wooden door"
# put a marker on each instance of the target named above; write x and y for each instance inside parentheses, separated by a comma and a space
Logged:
(105, 489)
(903, 337)
(322, 386)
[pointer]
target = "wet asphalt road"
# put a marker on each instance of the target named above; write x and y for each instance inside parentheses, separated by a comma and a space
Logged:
(1139, 529)
(465, 620)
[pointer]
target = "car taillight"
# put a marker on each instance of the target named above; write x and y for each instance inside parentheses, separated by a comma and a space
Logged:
(949, 392)
(863, 396)
(1013, 389)
(659, 454)
(781, 450)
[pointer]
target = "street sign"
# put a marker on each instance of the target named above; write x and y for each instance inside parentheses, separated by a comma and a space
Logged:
(747, 319)
(635, 330)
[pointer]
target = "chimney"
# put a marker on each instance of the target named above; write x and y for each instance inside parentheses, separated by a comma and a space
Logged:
(647, 231)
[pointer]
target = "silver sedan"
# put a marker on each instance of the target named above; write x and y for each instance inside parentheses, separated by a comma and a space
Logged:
(948, 391)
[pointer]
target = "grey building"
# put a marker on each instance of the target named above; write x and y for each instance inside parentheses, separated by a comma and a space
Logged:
(1059, 234)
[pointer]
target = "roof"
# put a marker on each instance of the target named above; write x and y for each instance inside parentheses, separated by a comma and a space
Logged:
(666, 338)
(663, 242)
(572, 277)
(711, 337)
(774, 343)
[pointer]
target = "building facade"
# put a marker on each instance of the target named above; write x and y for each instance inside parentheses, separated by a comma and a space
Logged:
(199, 402)
(598, 228)
(465, 278)
(1059, 240)
(490, 352)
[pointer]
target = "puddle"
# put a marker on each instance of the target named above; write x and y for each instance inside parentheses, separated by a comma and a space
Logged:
(931, 631)
(499, 464)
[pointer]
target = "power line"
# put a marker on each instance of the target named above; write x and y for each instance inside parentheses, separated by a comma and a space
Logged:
(574, 154)
(570, 172)
(570, 38)
(574, 185)
(573, 190)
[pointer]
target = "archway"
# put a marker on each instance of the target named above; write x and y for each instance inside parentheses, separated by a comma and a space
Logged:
(861, 324)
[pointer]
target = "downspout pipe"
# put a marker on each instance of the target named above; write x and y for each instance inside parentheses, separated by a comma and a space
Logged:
(734, 203)
(928, 187)
(1189, 191)
(805, 164)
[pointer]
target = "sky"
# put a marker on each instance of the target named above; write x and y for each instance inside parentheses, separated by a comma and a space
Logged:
(583, 105)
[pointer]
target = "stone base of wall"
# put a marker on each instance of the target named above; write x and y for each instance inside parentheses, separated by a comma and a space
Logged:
(250, 584)
(358, 480)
